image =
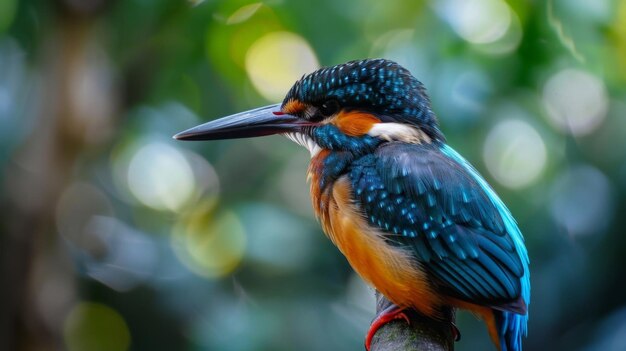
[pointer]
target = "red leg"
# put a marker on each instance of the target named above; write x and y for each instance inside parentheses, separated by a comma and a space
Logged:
(389, 314)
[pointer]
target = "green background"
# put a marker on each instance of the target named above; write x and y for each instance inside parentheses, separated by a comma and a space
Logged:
(116, 237)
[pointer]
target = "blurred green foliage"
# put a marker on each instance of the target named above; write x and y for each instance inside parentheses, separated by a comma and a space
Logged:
(117, 237)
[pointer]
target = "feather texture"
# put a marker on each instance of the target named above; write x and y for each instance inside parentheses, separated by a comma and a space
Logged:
(429, 203)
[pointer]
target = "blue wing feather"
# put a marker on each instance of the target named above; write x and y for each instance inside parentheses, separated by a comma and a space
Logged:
(512, 326)
(428, 200)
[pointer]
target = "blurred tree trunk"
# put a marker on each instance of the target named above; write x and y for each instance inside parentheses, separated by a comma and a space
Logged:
(73, 113)
(424, 334)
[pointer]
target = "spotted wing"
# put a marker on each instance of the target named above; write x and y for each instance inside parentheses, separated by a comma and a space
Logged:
(428, 203)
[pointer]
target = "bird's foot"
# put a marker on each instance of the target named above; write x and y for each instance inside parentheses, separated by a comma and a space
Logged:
(389, 314)
(456, 333)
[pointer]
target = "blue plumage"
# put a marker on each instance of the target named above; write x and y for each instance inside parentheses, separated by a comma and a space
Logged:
(427, 198)
(377, 84)
(466, 236)
(512, 326)
(429, 203)
(331, 138)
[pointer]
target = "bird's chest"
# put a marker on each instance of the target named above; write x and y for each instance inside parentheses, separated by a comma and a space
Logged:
(389, 269)
(325, 168)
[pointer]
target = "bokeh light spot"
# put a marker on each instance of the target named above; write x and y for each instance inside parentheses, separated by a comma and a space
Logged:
(576, 101)
(400, 45)
(582, 200)
(507, 43)
(515, 153)
(160, 176)
(273, 242)
(128, 257)
(211, 245)
(477, 21)
(275, 61)
(95, 327)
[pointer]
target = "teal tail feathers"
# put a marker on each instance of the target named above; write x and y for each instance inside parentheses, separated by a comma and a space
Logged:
(511, 328)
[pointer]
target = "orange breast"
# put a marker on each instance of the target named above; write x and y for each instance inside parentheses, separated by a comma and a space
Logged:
(389, 269)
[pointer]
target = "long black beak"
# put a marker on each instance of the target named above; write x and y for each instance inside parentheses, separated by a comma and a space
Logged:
(261, 121)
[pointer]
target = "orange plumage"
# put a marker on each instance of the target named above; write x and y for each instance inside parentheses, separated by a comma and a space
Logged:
(354, 123)
(391, 270)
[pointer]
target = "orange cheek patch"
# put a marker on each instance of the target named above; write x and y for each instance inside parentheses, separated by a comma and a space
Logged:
(294, 107)
(355, 123)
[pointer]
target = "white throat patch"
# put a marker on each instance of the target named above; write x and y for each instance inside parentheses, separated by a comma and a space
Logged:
(306, 141)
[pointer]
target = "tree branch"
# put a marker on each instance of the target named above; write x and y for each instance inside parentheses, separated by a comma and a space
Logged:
(424, 334)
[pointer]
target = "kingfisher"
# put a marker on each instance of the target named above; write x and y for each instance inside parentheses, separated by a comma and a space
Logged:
(412, 217)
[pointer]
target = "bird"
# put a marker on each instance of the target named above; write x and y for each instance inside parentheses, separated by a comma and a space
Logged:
(412, 217)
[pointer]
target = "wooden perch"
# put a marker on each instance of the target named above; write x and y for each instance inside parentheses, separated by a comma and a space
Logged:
(424, 334)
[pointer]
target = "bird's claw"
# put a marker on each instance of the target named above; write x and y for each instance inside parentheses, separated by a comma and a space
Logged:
(389, 314)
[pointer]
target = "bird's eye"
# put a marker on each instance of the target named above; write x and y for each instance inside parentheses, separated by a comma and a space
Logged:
(329, 108)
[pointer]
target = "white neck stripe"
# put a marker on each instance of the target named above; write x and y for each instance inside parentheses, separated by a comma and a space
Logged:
(400, 132)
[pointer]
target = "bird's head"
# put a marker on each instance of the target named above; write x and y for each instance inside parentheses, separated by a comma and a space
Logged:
(350, 107)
